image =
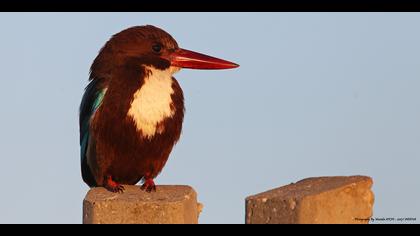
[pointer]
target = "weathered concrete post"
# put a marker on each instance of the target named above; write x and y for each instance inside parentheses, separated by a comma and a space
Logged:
(329, 200)
(168, 205)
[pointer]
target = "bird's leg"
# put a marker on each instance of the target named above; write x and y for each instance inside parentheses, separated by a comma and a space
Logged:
(113, 186)
(149, 184)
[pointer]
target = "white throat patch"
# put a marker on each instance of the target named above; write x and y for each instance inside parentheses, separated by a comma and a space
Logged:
(151, 104)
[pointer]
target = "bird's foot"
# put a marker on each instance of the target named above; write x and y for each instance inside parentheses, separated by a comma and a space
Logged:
(113, 186)
(148, 186)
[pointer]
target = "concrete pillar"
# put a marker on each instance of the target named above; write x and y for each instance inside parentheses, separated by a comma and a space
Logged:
(168, 205)
(329, 200)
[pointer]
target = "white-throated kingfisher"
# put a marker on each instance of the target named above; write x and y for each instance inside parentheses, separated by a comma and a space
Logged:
(132, 110)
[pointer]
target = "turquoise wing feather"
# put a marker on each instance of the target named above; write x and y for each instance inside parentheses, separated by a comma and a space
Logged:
(91, 101)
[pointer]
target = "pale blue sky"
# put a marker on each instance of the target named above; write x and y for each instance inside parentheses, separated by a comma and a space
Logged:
(316, 94)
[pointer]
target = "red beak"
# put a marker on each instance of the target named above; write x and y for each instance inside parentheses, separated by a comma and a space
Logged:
(194, 60)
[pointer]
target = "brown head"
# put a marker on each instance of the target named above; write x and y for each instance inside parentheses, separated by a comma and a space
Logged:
(154, 47)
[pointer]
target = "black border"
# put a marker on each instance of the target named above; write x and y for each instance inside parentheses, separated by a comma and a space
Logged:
(209, 5)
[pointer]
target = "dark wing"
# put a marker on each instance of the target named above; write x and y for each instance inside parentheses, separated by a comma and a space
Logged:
(92, 99)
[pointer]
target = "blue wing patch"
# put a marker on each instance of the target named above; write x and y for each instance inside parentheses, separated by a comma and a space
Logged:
(92, 99)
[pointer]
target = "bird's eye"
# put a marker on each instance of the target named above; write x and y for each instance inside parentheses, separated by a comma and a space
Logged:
(157, 48)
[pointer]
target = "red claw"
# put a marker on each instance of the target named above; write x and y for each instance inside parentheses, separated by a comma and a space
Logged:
(113, 186)
(148, 186)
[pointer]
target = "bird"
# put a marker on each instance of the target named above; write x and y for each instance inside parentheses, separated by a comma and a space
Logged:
(132, 109)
